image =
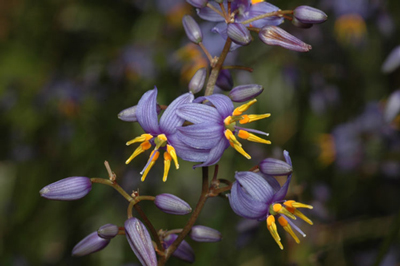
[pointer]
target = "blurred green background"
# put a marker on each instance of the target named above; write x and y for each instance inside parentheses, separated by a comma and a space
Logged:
(67, 68)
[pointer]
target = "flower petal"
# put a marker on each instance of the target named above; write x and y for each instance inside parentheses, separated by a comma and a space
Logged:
(198, 113)
(207, 13)
(223, 103)
(186, 152)
(184, 250)
(262, 8)
(287, 157)
(255, 185)
(146, 112)
(169, 121)
(273, 182)
(215, 153)
(281, 193)
(201, 136)
(244, 205)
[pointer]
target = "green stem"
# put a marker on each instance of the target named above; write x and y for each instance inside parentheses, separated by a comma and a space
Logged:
(114, 185)
(266, 15)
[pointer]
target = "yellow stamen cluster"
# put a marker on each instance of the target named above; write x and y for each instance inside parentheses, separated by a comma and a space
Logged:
(237, 115)
(159, 141)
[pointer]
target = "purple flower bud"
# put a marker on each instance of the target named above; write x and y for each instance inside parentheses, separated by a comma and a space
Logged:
(90, 244)
(224, 80)
(275, 167)
(300, 24)
(197, 81)
(309, 15)
(140, 242)
(70, 188)
(192, 29)
(244, 93)
(202, 233)
(392, 108)
(239, 33)
(172, 204)
(392, 61)
(273, 35)
(184, 250)
(129, 114)
(198, 3)
(108, 231)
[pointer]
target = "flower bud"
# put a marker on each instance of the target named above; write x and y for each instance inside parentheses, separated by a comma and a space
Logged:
(197, 81)
(198, 3)
(239, 34)
(192, 29)
(184, 250)
(392, 61)
(90, 244)
(70, 188)
(224, 80)
(202, 233)
(299, 24)
(275, 167)
(108, 231)
(129, 114)
(171, 204)
(273, 35)
(140, 242)
(244, 93)
(309, 15)
(392, 108)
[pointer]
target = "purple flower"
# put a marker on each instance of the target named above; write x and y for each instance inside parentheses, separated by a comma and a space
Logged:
(90, 244)
(259, 197)
(184, 250)
(159, 133)
(273, 35)
(214, 127)
(70, 188)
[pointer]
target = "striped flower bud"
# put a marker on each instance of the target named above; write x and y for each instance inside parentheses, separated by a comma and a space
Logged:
(224, 80)
(202, 233)
(171, 204)
(197, 81)
(244, 93)
(70, 188)
(192, 29)
(275, 167)
(108, 231)
(309, 15)
(273, 35)
(198, 3)
(90, 244)
(140, 242)
(239, 34)
(184, 250)
(300, 24)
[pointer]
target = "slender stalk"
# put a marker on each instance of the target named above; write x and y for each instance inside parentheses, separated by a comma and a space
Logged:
(249, 69)
(173, 231)
(209, 56)
(226, 15)
(215, 10)
(266, 15)
(150, 226)
(114, 185)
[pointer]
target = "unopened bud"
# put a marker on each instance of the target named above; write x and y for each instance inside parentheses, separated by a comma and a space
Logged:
(244, 93)
(300, 24)
(198, 3)
(202, 233)
(192, 29)
(184, 250)
(275, 167)
(224, 80)
(70, 188)
(197, 81)
(273, 35)
(90, 244)
(171, 204)
(108, 231)
(239, 34)
(309, 15)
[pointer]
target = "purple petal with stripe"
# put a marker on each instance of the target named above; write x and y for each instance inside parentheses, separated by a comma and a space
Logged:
(198, 113)
(184, 250)
(146, 112)
(273, 182)
(215, 153)
(223, 104)
(207, 13)
(255, 185)
(169, 121)
(221, 28)
(187, 153)
(281, 194)
(287, 157)
(244, 205)
(201, 136)
(262, 8)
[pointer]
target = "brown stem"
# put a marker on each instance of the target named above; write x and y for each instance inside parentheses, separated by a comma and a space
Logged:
(114, 185)
(206, 52)
(249, 69)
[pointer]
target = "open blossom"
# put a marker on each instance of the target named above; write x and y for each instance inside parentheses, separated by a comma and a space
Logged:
(214, 127)
(260, 197)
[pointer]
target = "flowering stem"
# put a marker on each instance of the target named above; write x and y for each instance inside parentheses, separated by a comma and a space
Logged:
(249, 69)
(266, 15)
(114, 185)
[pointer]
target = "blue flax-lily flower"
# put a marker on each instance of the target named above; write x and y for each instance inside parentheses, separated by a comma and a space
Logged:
(259, 196)
(214, 127)
(161, 134)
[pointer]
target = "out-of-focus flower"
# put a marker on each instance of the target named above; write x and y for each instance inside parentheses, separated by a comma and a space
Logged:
(273, 35)
(214, 128)
(392, 61)
(392, 108)
(171, 204)
(350, 29)
(201, 233)
(70, 188)
(140, 242)
(90, 244)
(224, 80)
(184, 250)
(197, 81)
(258, 196)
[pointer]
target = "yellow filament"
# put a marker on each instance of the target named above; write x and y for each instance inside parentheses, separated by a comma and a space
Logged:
(172, 152)
(153, 161)
(284, 223)
(243, 108)
(240, 150)
(251, 137)
(141, 138)
(278, 208)
(273, 230)
(142, 147)
(295, 204)
(231, 137)
(160, 141)
(251, 118)
(167, 165)
(301, 216)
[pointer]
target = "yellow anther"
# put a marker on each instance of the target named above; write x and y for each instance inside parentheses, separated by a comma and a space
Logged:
(142, 147)
(284, 223)
(228, 120)
(167, 165)
(251, 118)
(295, 204)
(172, 152)
(273, 230)
(141, 138)
(160, 141)
(153, 161)
(231, 137)
(251, 137)
(278, 208)
(240, 150)
(243, 108)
